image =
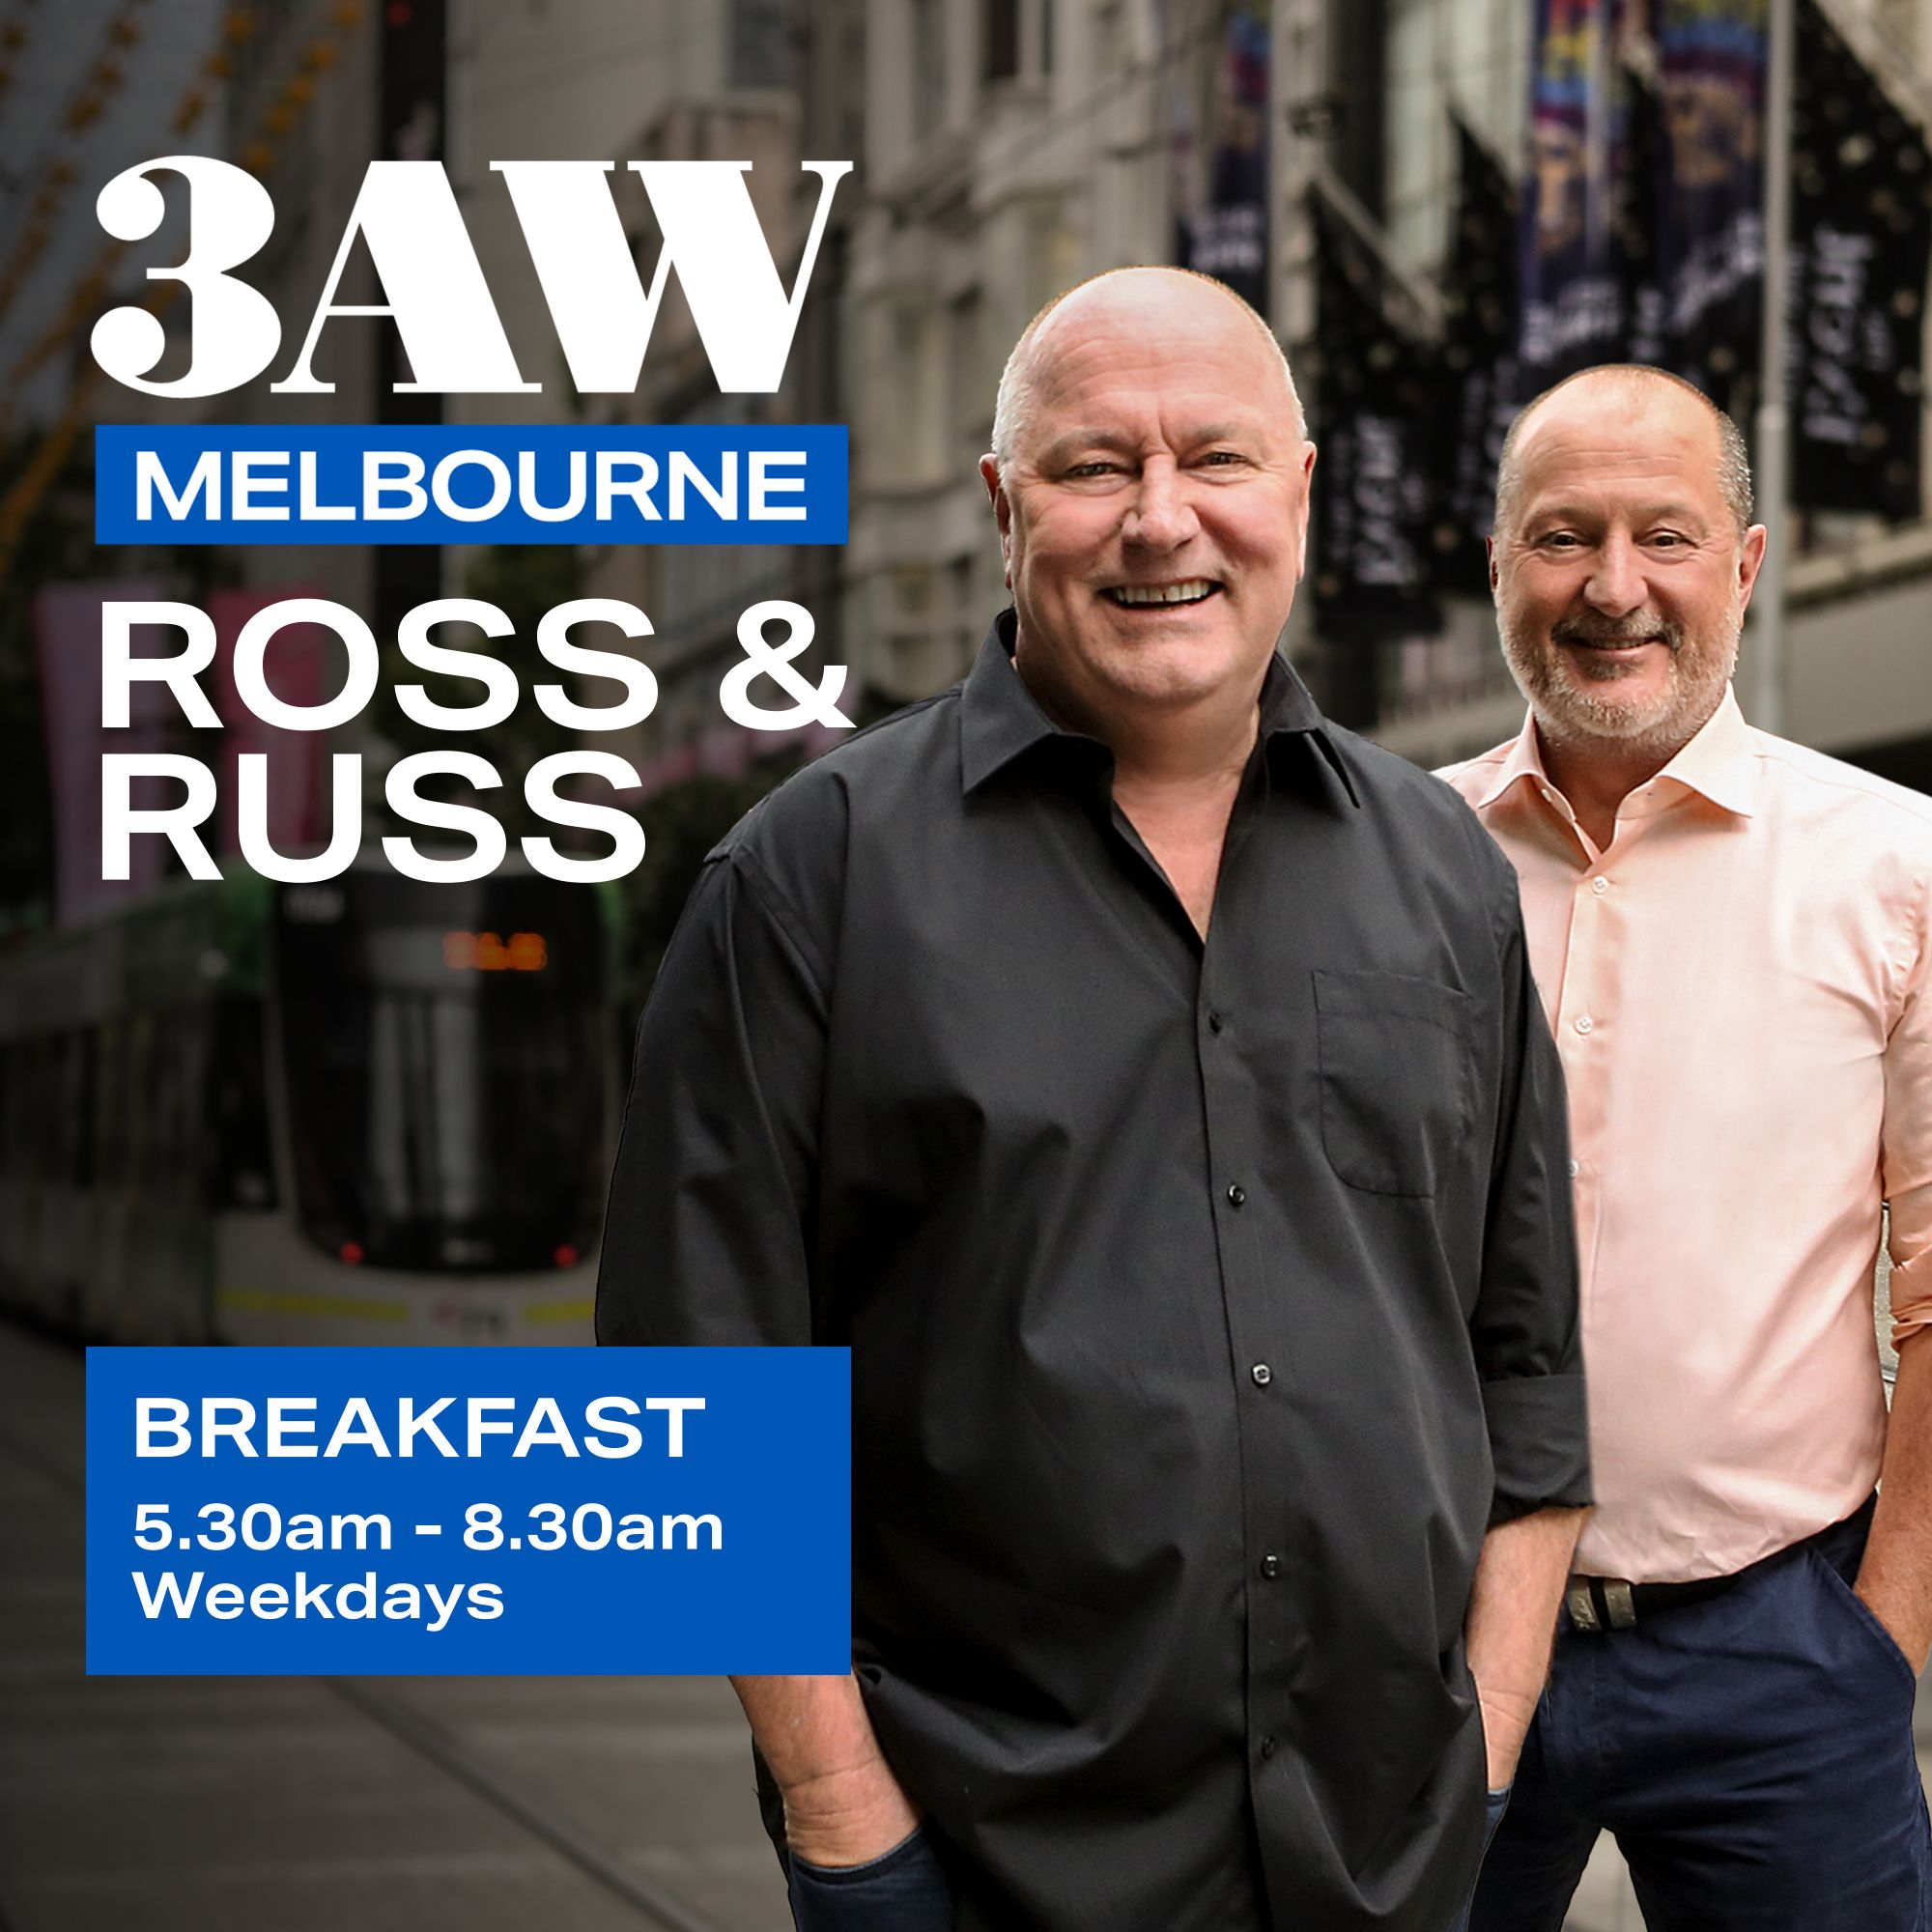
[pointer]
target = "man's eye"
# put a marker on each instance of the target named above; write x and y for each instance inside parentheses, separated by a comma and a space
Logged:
(1667, 540)
(1094, 469)
(1222, 458)
(1558, 540)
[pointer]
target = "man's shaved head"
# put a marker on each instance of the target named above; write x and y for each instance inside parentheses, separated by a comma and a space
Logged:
(1733, 459)
(1013, 407)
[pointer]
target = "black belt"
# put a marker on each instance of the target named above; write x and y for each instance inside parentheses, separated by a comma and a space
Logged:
(1598, 1603)
(1609, 1602)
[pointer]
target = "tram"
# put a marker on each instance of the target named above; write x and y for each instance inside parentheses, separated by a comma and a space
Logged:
(367, 1110)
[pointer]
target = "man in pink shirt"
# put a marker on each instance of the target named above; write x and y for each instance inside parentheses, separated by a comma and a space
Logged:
(1730, 935)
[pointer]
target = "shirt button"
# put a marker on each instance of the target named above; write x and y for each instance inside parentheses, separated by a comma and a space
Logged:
(1237, 1194)
(1271, 1567)
(1599, 887)
(1262, 1375)
(1575, 1168)
(1267, 1746)
(1585, 1024)
(1214, 1022)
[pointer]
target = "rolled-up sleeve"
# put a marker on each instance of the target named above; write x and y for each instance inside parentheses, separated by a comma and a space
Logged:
(1907, 1152)
(1525, 1326)
(708, 1234)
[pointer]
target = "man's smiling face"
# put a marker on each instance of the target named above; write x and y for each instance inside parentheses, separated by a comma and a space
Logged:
(1619, 571)
(1154, 509)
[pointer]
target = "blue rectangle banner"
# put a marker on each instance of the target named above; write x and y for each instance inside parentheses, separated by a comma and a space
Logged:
(436, 1511)
(473, 483)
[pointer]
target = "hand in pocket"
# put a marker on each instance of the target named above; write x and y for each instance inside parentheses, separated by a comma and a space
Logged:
(904, 1890)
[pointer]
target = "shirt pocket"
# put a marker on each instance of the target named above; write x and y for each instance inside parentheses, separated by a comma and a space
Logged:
(1395, 1079)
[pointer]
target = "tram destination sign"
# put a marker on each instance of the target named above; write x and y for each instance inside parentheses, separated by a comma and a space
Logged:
(433, 1511)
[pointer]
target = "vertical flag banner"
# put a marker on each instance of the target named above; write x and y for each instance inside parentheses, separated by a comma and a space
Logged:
(1711, 63)
(1479, 363)
(1635, 206)
(1573, 296)
(1379, 391)
(1227, 236)
(1860, 235)
(66, 632)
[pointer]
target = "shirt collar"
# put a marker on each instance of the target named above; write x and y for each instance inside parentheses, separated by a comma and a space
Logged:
(1000, 720)
(1718, 763)
(1522, 760)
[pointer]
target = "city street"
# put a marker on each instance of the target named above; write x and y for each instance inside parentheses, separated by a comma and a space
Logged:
(305, 1805)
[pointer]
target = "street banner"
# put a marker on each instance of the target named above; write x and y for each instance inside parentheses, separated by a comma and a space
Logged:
(1862, 232)
(1226, 236)
(1634, 214)
(1380, 388)
(1711, 62)
(1479, 364)
(1573, 299)
(66, 634)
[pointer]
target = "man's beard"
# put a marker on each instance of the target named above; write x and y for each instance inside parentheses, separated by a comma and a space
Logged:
(1569, 711)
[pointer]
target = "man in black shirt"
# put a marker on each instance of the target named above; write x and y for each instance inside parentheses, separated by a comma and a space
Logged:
(1144, 1079)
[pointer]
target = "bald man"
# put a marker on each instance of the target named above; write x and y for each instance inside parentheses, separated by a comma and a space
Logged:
(1730, 935)
(1144, 1080)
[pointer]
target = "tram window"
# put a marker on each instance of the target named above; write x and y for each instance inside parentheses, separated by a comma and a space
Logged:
(125, 1113)
(135, 1058)
(39, 1163)
(14, 1139)
(442, 1117)
(107, 1105)
(168, 1105)
(85, 1114)
(68, 1101)
(239, 1169)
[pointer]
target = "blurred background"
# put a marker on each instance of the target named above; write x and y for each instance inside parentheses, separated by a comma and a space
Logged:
(373, 1111)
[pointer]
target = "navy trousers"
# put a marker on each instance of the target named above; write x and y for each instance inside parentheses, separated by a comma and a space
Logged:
(1753, 1756)
(905, 1889)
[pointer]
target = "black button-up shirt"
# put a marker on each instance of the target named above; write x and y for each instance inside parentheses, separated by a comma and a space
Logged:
(1207, 1301)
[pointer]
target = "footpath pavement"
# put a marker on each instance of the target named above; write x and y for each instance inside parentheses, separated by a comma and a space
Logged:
(306, 1805)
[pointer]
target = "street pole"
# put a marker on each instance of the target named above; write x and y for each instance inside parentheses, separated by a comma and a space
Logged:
(1766, 682)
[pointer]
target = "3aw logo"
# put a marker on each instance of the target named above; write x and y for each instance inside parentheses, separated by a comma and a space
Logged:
(407, 214)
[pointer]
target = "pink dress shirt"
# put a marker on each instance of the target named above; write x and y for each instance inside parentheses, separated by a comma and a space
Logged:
(1738, 990)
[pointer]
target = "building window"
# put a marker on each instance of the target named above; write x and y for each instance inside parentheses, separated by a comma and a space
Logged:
(928, 67)
(760, 44)
(1113, 46)
(1000, 30)
(972, 393)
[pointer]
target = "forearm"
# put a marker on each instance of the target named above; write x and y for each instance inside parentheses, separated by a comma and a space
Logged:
(842, 1803)
(1896, 1578)
(1520, 1579)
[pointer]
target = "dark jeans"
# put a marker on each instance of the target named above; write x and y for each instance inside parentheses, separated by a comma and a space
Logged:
(1494, 1806)
(1753, 1756)
(905, 1889)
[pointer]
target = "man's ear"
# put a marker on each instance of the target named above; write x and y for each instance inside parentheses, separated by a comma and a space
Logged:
(1301, 543)
(1489, 551)
(1750, 561)
(1003, 510)
(989, 474)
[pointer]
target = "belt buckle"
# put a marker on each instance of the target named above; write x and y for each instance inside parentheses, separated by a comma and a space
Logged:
(1599, 1602)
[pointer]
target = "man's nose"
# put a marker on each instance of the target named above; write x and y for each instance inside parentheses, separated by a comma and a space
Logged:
(1616, 584)
(1161, 516)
